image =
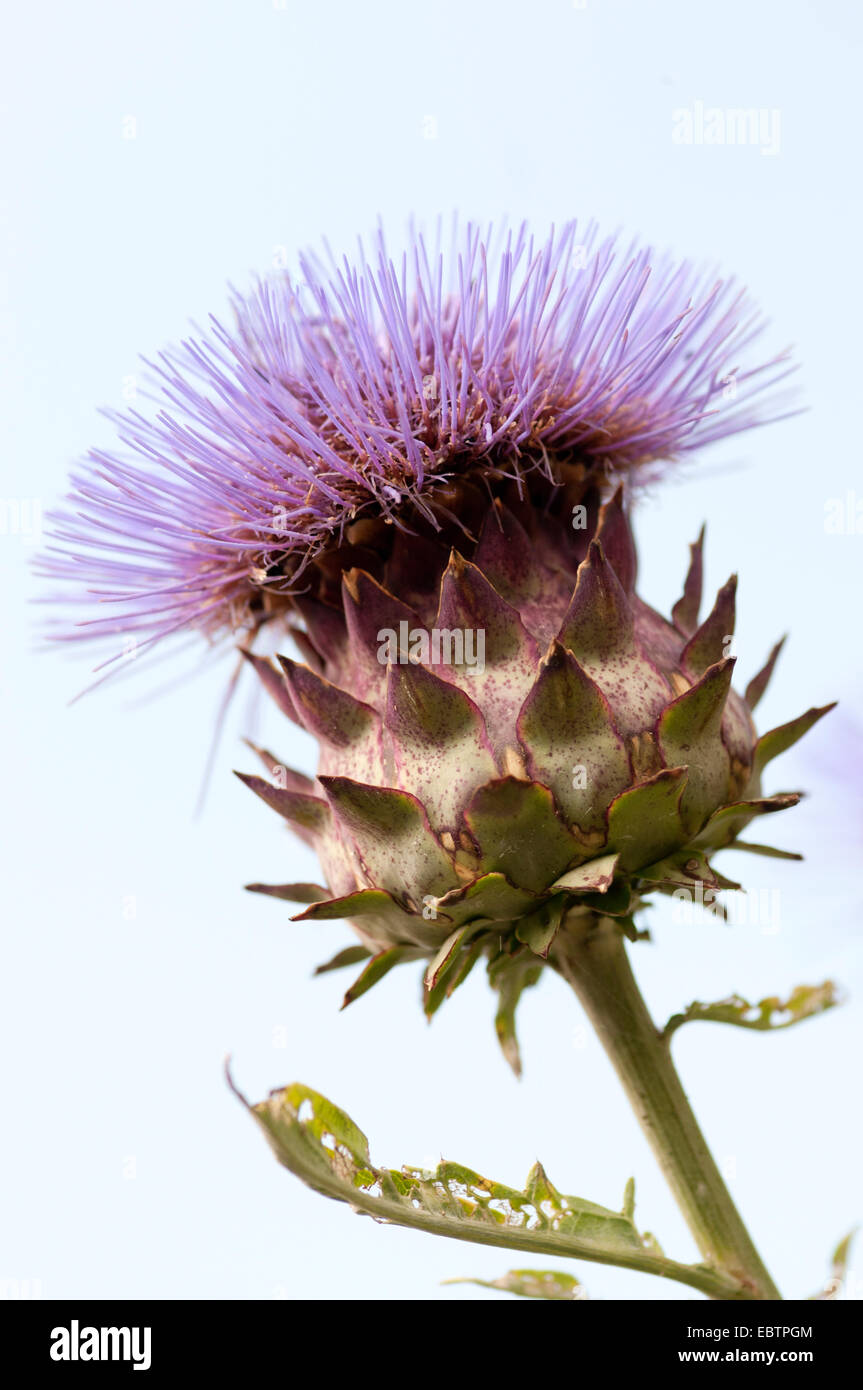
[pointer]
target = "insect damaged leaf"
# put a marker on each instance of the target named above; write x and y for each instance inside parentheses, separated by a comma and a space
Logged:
(321, 1145)
(768, 1015)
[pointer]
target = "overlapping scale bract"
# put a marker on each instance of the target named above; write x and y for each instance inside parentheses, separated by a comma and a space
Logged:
(464, 810)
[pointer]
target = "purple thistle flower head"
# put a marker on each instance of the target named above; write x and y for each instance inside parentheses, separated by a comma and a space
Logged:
(365, 395)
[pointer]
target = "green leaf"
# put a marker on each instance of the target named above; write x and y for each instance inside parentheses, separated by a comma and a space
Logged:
(321, 1145)
(532, 1283)
(768, 1015)
(838, 1269)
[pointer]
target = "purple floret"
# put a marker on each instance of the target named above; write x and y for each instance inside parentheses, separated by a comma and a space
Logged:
(355, 390)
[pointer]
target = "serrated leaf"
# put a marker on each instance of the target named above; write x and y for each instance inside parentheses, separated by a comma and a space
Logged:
(768, 1015)
(532, 1283)
(324, 1147)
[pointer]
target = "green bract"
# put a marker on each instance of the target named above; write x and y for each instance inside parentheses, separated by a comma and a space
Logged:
(467, 807)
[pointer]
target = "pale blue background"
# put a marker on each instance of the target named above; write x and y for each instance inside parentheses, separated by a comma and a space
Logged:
(262, 127)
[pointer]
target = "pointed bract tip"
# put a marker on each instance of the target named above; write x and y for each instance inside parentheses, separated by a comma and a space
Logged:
(350, 581)
(595, 554)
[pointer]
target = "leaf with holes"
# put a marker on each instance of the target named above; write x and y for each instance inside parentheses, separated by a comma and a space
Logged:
(768, 1015)
(321, 1145)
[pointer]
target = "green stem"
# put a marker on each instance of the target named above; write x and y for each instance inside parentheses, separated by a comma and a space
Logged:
(591, 955)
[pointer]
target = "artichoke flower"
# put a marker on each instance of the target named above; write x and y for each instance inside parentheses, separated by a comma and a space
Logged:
(417, 471)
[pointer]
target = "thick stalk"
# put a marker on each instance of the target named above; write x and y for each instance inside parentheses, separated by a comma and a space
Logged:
(591, 955)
